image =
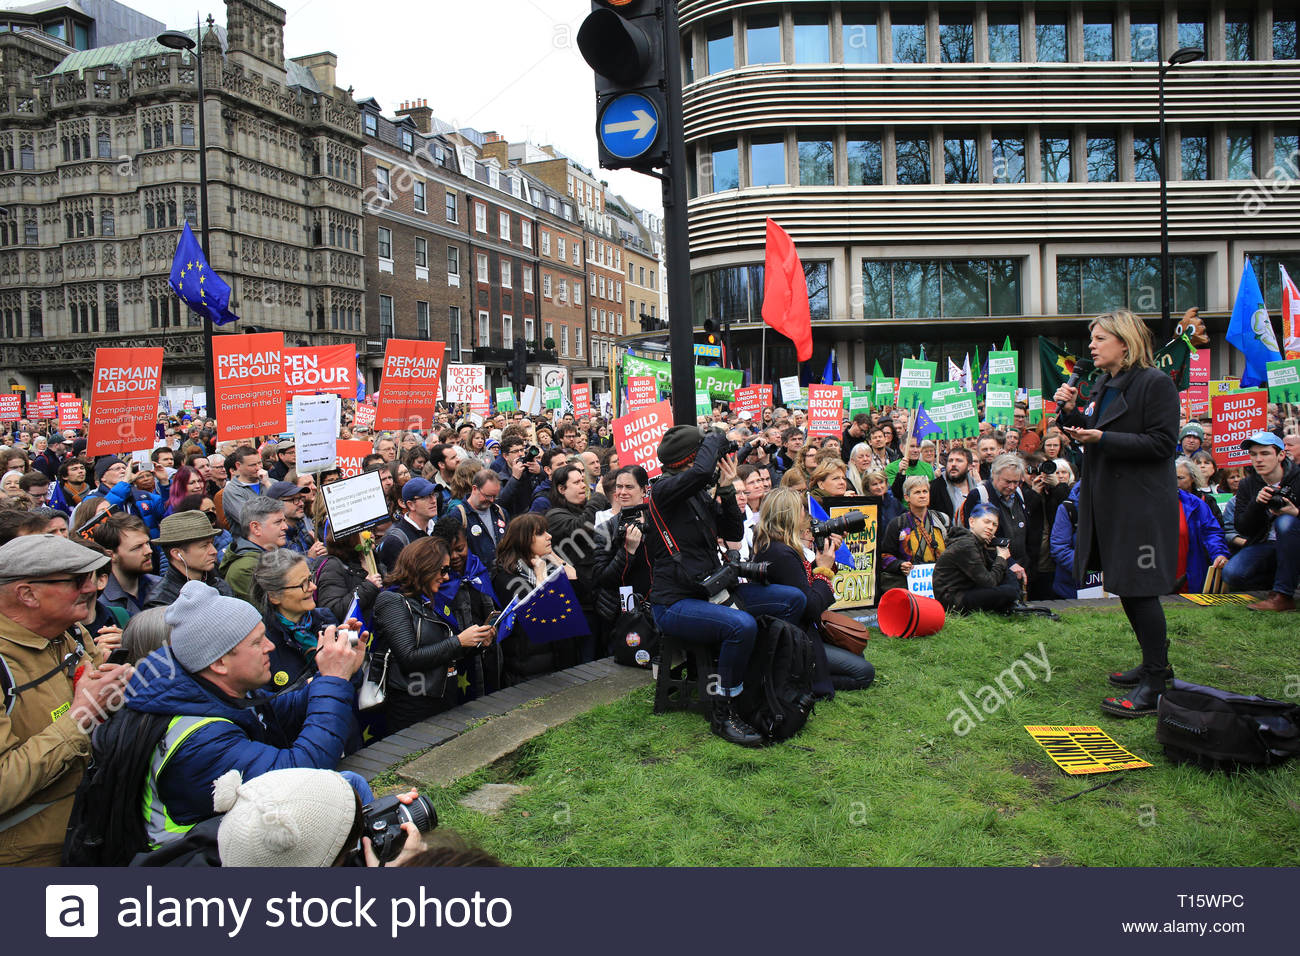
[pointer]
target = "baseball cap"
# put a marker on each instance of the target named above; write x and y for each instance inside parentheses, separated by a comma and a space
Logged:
(284, 489)
(418, 488)
(1262, 438)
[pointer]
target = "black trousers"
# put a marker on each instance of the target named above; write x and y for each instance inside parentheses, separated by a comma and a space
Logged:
(1000, 598)
(1147, 617)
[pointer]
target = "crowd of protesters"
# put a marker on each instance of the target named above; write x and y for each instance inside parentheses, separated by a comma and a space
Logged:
(193, 607)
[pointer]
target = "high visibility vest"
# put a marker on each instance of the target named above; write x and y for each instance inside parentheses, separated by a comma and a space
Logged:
(158, 822)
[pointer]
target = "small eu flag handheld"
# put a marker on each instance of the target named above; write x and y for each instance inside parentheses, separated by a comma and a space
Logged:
(843, 556)
(195, 283)
(549, 612)
(924, 425)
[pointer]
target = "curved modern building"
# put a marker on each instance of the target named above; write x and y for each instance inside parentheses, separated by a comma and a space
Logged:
(953, 173)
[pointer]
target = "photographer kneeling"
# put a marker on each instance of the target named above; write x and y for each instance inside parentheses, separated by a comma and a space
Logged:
(687, 521)
(973, 573)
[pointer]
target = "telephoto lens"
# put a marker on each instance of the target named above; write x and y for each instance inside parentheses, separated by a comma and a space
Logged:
(382, 820)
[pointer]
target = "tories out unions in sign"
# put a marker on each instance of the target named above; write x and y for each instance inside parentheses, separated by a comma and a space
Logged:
(825, 409)
(638, 434)
(330, 369)
(409, 389)
(1236, 418)
(250, 384)
(124, 400)
(465, 385)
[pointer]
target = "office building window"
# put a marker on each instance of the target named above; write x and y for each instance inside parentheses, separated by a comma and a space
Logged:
(1051, 38)
(1103, 161)
(1056, 159)
(961, 161)
(372, 124)
(816, 163)
(546, 284)
(762, 39)
(860, 38)
(422, 320)
(526, 233)
(1096, 284)
(1238, 36)
(528, 279)
(1008, 157)
(720, 47)
(934, 288)
(1098, 37)
(812, 38)
(1286, 153)
(956, 38)
(1144, 36)
(1191, 31)
(1004, 37)
(735, 293)
(422, 252)
(1270, 276)
(1146, 156)
(1195, 150)
(564, 340)
(866, 165)
(484, 330)
(1284, 34)
(1241, 154)
(913, 156)
(725, 166)
(385, 243)
(577, 341)
(767, 162)
(530, 329)
(385, 317)
(907, 32)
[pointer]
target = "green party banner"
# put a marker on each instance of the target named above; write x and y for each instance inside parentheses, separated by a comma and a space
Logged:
(718, 382)
(1035, 400)
(882, 393)
(1284, 381)
(506, 400)
(942, 392)
(961, 416)
(915, 383)
(859, 402)
(1000, 406)
(1004, 369)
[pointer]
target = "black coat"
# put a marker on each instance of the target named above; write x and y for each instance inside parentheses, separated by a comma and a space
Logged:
(786, 567)
(966, 564)
(336, 581)
(423, 645)
(575, 541)
(615, 568)
(1128, 501)
(1251, 519)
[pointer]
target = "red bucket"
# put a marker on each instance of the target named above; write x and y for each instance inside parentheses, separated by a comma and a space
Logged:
(904, 614)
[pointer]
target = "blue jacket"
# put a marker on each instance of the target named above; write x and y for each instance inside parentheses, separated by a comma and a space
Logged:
(130, 500)
(1204, 540)
(1062, 544)
(306, 728)
(288, 660)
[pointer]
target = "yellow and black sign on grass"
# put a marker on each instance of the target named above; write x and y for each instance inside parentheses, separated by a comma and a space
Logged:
(1080, 750)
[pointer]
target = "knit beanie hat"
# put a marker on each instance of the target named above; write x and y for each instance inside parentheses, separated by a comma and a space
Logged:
(1192, 428)
(205, 625)
(293, 817)
(679, 445)
(102, 464)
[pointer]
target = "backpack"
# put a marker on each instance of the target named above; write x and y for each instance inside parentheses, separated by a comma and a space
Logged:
(778, 696)
(1219, 730)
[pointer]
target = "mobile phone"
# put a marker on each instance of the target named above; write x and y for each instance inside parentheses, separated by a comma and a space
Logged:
(120, 656)
(493, 618)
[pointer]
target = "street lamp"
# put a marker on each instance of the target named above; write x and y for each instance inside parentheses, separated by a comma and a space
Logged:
(175, 40)
(1186, 54)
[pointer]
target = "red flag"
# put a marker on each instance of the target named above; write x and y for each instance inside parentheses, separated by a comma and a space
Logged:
(785, 292)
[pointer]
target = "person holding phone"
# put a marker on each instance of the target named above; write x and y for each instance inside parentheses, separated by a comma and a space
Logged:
(1128, 500)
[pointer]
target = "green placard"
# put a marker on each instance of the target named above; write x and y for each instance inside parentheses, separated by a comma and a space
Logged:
(505, 400)
(846, 389)
(961, 416)
(882, 393)
(859, 402)
(1004, 369)
(703, 406)
(915, 383)
(1035, 399)
(1000, 406)
(720, 383)
(1284, 381)
(554, 397)
(940, 394)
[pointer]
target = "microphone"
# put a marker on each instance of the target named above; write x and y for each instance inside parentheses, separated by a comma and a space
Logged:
(1073, 380)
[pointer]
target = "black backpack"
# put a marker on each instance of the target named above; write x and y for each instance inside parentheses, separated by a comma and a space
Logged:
(778, 696)
(1219, 730)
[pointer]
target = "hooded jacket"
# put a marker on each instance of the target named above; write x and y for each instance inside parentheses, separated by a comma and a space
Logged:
(237, 565)
(166, 590)
(967, 563)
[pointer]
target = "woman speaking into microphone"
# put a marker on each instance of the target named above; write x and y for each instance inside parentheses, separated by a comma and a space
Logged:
(1128, 500)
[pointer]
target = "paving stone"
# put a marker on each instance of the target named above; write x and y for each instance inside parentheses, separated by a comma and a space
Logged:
(428, 734)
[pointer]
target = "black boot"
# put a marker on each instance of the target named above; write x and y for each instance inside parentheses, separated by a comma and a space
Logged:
(1133, 676)
(1142, 700)
(728, 725)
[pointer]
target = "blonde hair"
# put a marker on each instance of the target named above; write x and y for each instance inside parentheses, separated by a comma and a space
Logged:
(873, 475)
(915, 481)
(1130, 330)
(781, 520)
(826, 469)
(795, 478)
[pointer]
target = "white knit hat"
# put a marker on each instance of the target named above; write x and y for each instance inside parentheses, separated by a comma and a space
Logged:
(293, 817)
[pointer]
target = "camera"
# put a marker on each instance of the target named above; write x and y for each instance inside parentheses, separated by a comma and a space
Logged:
(718, 584)
(1045, 467)
(531, 453)
(1282, 497)
(382, 820)
(1001, 542)
(350, 634)
(753, 448)
(845, 524)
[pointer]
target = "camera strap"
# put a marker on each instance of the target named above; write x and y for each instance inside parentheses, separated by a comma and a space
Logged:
(661, 527)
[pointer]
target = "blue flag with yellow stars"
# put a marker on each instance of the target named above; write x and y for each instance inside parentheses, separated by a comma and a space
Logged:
(193, 280)
(549, 612)
(924, 425)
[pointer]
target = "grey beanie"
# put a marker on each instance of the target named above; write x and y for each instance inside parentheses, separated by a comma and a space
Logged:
(205, 625)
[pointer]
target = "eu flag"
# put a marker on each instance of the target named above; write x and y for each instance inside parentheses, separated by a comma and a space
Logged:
(195, 283)
(549, 612)
(924, 425)
(842, 556)
(982, 383)
(831, 373)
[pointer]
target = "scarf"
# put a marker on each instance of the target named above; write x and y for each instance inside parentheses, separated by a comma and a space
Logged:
(302, 633)
(921, 543)
(475, 575)
(74, 493)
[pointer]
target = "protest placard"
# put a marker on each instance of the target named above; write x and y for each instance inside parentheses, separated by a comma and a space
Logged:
(859, 402)
(249, 374)
(720, 383)
(789, 389)
(941, 393)
(703, 407)
(355, 503)
(554, 397)
(1000, 406)
(825, 410)
(1284, 381)
(69, 410)
(124, 400)
(315, 432)
(637, 436)
(855, 586)
(531, 400)
(1080, 750)
(915, 382)
(1237, 416)
(409, 387)
(1004, 370)
(764, 396)
(11, 407)
(1035, 401)
(349, 454)
(747, 399)
(581, 400)
(47, 404)
(882, 392)
(961, 416)
(920, 580)
(506, 400)
(642, 391)
(466, 384)
(316, 369)
(364, 417)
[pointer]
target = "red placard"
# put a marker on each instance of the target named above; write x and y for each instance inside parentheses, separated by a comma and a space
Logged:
(581, 401)
(249, 373)
(364, 417)
(642, 391)
(124, 400)
(747, 399)
(325, 369)
(764, 396)
(1200, 369)
(409, 388)
(47, 406)
(637, 436)
(825, 410)
(70, 412)
(351, 454)
(11, 407)
(1236, 417)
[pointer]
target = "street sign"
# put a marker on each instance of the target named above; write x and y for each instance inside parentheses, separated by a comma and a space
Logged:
(709, 351)
(628, 125)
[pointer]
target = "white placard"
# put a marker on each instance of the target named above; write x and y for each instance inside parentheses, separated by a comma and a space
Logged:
(466, 384)
(315, 432)
(531, 401)
(355, 503)
(920, 580)
(790, 390)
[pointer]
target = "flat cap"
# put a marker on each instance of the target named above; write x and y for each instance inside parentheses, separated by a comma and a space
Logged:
(41, 555)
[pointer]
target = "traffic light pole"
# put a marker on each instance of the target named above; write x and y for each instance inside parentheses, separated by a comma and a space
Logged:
(677, 245)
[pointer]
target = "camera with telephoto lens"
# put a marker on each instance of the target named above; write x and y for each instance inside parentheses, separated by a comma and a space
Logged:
(1045, 467)
(531, 454)
(382, 820)
(1282, 496)
(753, 447)
(848, 523)
(718, 584)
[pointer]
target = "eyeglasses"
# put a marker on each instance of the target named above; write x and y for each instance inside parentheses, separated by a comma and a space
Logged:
(78, 579)
(305, 587)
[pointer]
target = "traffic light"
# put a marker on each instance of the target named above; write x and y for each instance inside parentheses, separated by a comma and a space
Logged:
(709, 349)
(622, 40)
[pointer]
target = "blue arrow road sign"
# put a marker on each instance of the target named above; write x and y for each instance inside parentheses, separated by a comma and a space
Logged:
(628, 125)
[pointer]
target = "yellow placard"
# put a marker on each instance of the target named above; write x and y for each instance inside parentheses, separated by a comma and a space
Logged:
(1211, 600)
(856, 587)
(1224, 386)
(1081, 750)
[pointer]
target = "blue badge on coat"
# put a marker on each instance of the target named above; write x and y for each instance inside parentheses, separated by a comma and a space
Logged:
(1092, 407)
(476, 530)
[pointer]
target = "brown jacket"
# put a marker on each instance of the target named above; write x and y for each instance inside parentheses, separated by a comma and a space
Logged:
(43, 753)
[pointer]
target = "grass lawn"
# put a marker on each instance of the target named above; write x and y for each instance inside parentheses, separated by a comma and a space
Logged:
(880, 778)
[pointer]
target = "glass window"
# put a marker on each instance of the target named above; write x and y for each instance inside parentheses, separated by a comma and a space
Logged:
(877, 301)
(419, 196)
(1146, 156)
(480, 217)
(1051, 38)
(385, 243)
(482, 261)
(965, 287)
(1286, 154)
(1144, 36)
(187, 136)
(816, 162)
(1098, 38)
(381, 183)
(916, 289)
(453, 337)
(507, 329)
(450, 204)
(767, 162)
(866, 167)
(762, 39)
(1105, 285)
(1004, 37)
(860, 38)
(726, 167)
(372, 124)
(503, 221)
(956, 38)
(1103, 159)
(1238, 36)
(484, 330)
(1091, 285)
(408, 141)
(385, 316)
(913, 152)
(1284, 36)
(1004, 287)
(1241, 154)
(1195, 150)
(1008, 157)
(1191, 31)
(812, 38)
(1056, 159)
(507, 275)
(908, 35)
(1270, 276)
(422, 320)
(453, 261)
(961, 160)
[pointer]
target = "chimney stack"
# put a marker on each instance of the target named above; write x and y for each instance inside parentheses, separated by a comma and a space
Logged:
(419, 111)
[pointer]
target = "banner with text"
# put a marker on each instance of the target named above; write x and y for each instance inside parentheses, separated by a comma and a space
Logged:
(1284, 381)
(915, 382)
(124, 400)
(409, 388)
(11, 407)
(1236, 418)
(747, 399)
(69, 410)
(825, 410)
(350, 454)
(637, 436)
(315, 432)
(466, 384)
(720, 383)
(249, 373)
(642, 391)
(581, 400)
(321, 368)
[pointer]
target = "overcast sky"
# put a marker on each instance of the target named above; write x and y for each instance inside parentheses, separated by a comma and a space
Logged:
(511, 66)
